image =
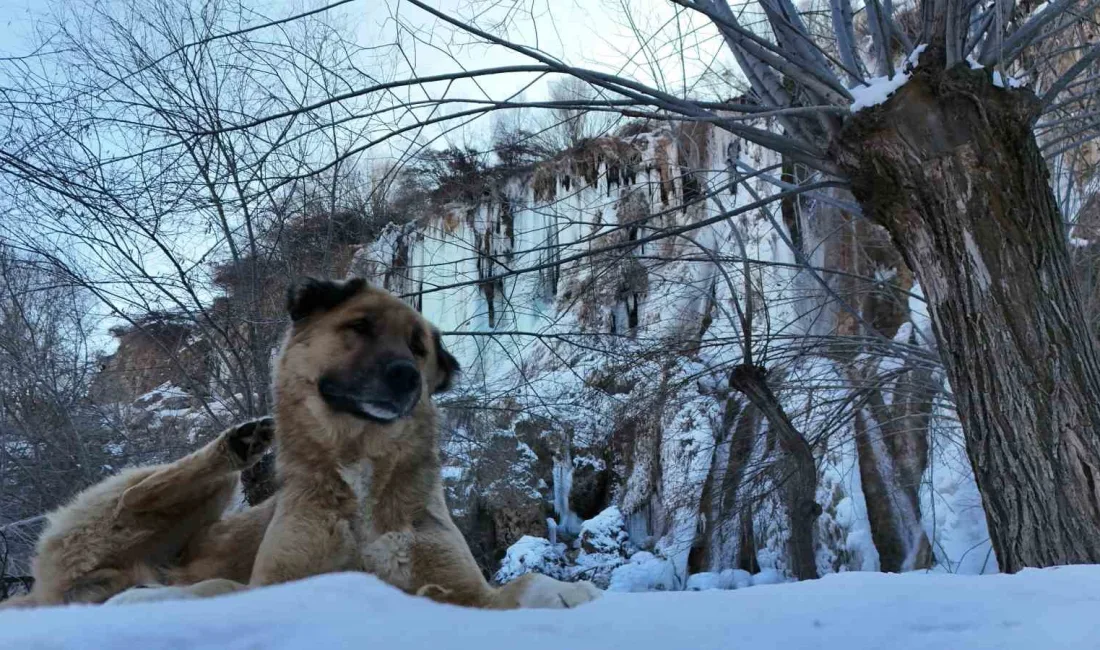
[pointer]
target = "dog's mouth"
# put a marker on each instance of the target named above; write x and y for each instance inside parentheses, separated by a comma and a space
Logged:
(361, 404)
(383, 412)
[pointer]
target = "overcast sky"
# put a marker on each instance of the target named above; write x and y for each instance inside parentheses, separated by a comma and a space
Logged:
(590, 33)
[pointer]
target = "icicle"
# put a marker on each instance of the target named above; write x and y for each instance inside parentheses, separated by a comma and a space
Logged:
(568, 521)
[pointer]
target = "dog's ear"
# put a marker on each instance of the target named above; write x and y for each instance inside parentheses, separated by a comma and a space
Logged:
(309, 296)
(446, 363)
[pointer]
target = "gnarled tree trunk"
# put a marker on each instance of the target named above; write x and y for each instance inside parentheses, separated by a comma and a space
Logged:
(800, 480)
(950, 167)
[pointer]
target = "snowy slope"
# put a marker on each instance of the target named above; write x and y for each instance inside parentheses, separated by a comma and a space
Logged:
(1054, 608)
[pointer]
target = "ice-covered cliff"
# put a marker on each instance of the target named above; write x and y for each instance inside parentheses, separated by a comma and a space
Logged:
(601, 302)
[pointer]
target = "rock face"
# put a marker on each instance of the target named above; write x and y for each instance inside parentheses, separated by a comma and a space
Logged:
(156, 351)
(606, 383)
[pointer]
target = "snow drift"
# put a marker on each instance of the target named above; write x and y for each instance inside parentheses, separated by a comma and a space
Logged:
(1052, 608)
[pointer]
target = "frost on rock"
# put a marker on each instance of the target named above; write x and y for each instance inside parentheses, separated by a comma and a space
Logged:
(532, 555)
(617, 427)
(568, 521)
(686, 457)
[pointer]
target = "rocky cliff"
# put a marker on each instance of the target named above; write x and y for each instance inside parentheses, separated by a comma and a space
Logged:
(602, 304)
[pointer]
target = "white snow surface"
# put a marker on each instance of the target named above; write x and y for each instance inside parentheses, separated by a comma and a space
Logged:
(1051, 608)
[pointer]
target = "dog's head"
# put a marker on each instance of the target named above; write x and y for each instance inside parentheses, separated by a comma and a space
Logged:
(365, 352)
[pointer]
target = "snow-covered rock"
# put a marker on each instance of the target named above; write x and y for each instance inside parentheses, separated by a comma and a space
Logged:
(645, 572)
(705, 581)
(605, 533)
(604, 546)
(532, 555)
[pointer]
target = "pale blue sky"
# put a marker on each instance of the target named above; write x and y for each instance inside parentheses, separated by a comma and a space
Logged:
(589, 33)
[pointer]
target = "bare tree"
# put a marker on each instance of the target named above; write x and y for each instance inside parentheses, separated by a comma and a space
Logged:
(122, 174)
(50, 441)
(570, 122)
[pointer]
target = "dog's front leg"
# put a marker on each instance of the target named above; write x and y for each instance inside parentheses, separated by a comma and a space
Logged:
(302, 541)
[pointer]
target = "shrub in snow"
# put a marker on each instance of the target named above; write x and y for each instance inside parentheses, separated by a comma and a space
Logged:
(644, 572)
(532, 555)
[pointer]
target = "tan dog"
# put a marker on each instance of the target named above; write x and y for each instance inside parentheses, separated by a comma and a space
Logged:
(358, 455)
(155, 525)
(361, 485)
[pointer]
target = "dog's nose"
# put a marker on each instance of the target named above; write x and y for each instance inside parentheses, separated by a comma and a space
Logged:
(402, 377)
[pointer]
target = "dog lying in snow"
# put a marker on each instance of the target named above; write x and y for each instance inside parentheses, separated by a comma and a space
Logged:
(358, 466)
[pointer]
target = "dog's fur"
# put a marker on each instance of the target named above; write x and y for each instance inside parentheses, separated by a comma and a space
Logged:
(360, 492)
(160, 525)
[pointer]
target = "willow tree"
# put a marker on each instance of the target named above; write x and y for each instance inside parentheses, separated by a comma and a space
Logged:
(941, 151)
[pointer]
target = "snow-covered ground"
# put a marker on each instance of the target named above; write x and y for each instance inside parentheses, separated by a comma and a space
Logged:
(1052, 608)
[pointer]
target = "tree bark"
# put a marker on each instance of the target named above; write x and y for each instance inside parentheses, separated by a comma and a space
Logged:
(949, 166)
(800, 471)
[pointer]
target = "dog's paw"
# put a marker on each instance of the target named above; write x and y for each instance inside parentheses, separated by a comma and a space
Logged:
(542, 592)
(149, 594)
(161, 593)
(390, 558)
(248, 441)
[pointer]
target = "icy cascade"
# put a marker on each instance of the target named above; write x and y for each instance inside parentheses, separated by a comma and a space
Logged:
(575, 219)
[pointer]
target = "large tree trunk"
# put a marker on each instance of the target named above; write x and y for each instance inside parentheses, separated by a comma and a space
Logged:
(799, 469)
(950, 167)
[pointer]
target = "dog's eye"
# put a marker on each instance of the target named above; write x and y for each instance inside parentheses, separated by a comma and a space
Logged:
(362, 326)
(416, 345)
